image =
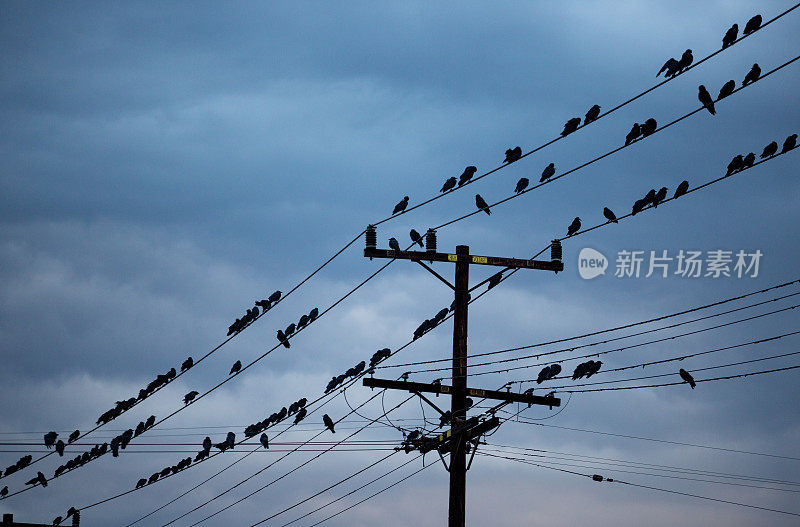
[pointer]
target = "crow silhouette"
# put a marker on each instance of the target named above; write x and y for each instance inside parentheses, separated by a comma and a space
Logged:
(495, 279)
(189, 397)
(754, 24)
(188, 363)
(635, 132)
(705, 99)
(415, 237)
(670, 68)
(789, 144)
(274, 297)
(686, 61)
(592, 114)
(449, 185)
(513, 154)
(752, 75)
(73, 436)
(682, 189)
(522, 184)
(571, 125)
(770, 150)
(648, 127)
(609, 215)
(50, 439)
(328, 423)
(548, 172)
(574, 227)
(686, 376)
(482, 205)
(748, 160)
(735, 165)
(264, 440)
(236, 367)
(283, 340)
(727, 89)
(730, 36)
(467, 175)
(393, 245)
(400, 207)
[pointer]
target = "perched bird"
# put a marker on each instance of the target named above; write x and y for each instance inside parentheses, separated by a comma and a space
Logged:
(400, 207)
(73, 436)
(727, 89)
(754, 24)
(265, 304)
(650, 196)
(50, 439)
(303, 321)
(495, 279)
(635, 132)
(313, 314)
(207, 444)
(574, 227)
(686, 60)
(730, 36)
(57, 520)
(513, 154)
(188, 363)
(150, 421)
(660, 196)
(548, 172)
(445, 418)
(752, 75)
(592, 114)
(648, 127)
(71, 512)
(609, 214)
(638, 206)
(770, 150)
(274, 297)
(449, 185)
(230, 438)
(734, 165)
(283, 340)
(571, 125)
(4, 491)
(686, 376)
(38, 479)
(682, 189)
(264, 440)
(394, 245)
(189, 397)
(236, 367)
(748, 160)
(222, 447)
(670, 68)
(328, 423)
(415, 237)
(141, 483)
(201, 455)
(290, 329)
(467, 175)
(482, 205)
(153, 478)
(60, 447)
(522, 184)
(543, 375)
(301, 414)
(705, 99)
(789, 144)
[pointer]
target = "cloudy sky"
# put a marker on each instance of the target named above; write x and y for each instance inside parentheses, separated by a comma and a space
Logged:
(165, 165)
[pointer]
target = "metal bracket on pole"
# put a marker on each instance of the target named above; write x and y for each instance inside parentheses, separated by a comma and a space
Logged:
(429, 402)
(437, 275)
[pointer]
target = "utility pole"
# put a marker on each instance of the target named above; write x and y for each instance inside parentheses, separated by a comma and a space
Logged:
(462, 430)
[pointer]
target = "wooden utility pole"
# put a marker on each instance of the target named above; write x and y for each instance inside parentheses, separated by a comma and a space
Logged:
(461, 430)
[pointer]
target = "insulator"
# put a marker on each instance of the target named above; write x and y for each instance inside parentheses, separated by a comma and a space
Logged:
(372, 237)
(430, 241)
(555, 250)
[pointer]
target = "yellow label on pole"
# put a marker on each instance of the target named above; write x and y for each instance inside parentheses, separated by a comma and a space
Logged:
(479, 259)
(452, 258)
(476, 392)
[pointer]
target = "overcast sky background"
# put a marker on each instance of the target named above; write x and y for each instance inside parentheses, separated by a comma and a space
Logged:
(165, 165)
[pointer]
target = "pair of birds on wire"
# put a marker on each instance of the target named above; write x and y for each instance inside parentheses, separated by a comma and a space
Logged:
(754, 24)
(742, 162)
(641, 130)
(548, 172)
(72, 512)
(728, 88)
(253, 313)
(591, 115)
(282, 335)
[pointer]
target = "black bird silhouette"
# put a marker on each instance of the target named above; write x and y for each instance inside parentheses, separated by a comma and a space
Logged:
(571, 125)
(264, 304)
(57, 520)
(648, 127)
(495, 279)
(650, 196)
(445, 418)
(71, 511)
(301, 414)
(60, 447)
(748, 160)
(328, 423)
(770, 150)
(789, 144)
(730, 36)
(313, 314)
(207, 444)
(450, 184)
(283, 340)
(290, 329)
(522, 184)
(230, 438)
(660, 196)
(201, 455)
(150, 421)
(686, 60)
(73, 436)
(400, 207)
(543, 375)
(482, 205)
(609, 214)
(727, 89)
(734, 165)
(274, 297)
(574, 227)
(592, 114)
(153, 478)
(264, 440)
(302, 322)
(4, 492)
(682, 189)
(638, 206)
(670, 68)
(50, 439)
(236, 367)
(38, 479)
(513, 154)
(548, 172)
(635, 132)
(222, 447)
(394, 245)
(467, 175)
(415, 237)
(754, 24)
(752, 75)
(189, 397)
(188, 363)
(686, 376)
(141, 483)
(705, 99)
